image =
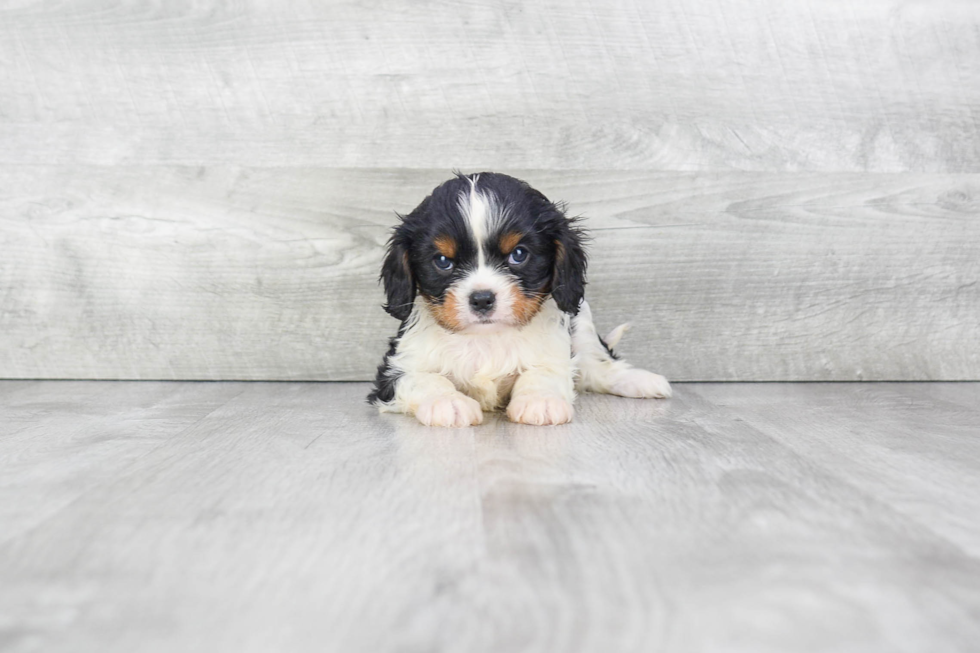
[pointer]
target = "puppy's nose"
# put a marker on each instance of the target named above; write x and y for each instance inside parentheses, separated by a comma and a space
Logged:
(482, 301)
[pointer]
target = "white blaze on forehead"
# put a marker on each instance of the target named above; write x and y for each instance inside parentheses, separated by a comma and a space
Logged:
(480, 212)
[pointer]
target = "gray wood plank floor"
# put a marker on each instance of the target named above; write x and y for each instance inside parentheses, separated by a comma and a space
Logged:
(146, 516)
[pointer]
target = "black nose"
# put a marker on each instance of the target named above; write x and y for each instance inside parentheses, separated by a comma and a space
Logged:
(482, 301)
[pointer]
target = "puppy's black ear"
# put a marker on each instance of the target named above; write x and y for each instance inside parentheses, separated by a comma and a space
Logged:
(568, 277)
(396, 274)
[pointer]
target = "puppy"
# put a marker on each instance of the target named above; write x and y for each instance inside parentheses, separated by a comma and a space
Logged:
(488, 277)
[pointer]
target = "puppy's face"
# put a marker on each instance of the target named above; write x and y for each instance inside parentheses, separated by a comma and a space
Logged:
(484, 251)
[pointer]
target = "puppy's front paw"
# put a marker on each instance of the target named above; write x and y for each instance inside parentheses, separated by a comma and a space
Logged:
(640, 384)
(449, 410)
(539, 410)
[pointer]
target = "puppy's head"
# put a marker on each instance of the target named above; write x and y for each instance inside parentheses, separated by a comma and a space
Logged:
(484, 251)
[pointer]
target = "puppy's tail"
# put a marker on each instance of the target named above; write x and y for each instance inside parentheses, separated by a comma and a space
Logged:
(613, 337)
(601, 370)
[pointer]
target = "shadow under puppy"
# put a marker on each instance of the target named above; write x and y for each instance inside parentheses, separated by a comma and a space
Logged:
(488, 279)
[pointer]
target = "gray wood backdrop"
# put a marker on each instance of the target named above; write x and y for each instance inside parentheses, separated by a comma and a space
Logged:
(201, 190)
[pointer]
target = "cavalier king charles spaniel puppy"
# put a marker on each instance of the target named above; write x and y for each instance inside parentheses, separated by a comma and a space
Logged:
(488, 279)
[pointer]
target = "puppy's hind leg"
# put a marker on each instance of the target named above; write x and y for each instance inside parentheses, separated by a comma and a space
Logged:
(599, 370)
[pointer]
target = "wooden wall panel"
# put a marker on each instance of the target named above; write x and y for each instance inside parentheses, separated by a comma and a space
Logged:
(201, 189)
(173, 272)
(765, 85)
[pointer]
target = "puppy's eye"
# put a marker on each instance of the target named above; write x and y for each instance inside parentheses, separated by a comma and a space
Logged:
(518, 256)
(443, 262)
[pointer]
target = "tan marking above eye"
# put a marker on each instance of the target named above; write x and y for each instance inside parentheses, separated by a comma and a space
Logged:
(509, 241)
(446, 246)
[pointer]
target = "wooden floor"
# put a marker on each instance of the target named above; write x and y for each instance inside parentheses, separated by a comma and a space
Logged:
(143, 516)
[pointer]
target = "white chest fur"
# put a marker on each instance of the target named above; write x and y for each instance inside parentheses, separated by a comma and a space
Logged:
(484, 365)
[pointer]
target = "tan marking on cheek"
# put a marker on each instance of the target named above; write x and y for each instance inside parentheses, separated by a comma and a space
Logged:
(525, 306)
(446, 246)
(509, 241)
(446, 313)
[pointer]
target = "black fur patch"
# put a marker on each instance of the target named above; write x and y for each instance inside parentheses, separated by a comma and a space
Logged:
(387, 378)
(608, 349)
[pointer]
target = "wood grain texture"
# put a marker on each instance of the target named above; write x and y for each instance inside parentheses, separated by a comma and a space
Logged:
(270, 273)
(769, 85)
(293, 517)
(62, 438)
(960, 394)
(903, 444)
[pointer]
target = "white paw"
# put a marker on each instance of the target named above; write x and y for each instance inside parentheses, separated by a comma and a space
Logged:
(449, 410)
(640, 384)
(539, 410)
